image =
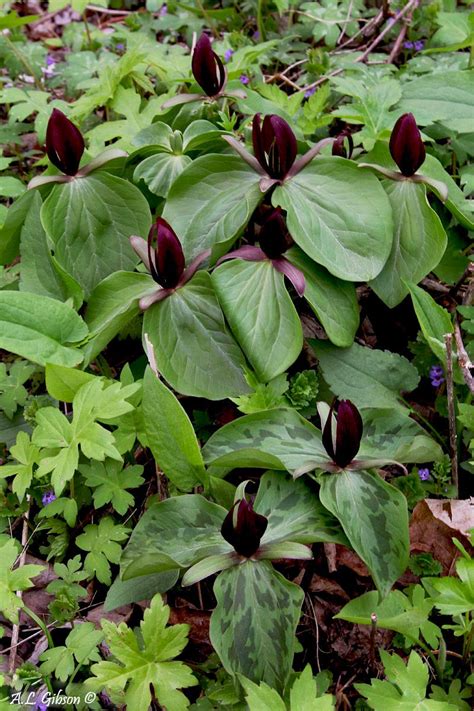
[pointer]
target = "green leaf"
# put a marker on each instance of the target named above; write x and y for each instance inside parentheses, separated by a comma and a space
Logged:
(260, 697)
(405, 688)
(419, 241)
(257, 608)
(10, 233)
(112, 304)
(110, 483)
(143, 661)
(63, 383)
(170, 435)
(101, 542)
(277, 439)
(434, 321)
(379, 532)
(27, 456)
(188, 332)
(294, 511)
(370, 378)
(13, 393)
(333, 301)
(13, 580)
(447, 97)
(81, 647)
(393, 435)
(160, 171)
(179, 532)
(40, 328)
(124, 592)
(340, 216)
(261, 315)
(303, 695)
(455, 596)
(95, 215)
(211, 202)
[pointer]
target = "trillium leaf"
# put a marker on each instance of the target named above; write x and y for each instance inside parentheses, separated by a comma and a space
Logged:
(340, 216)
(374, 517)
(419, 241)
(257, 609)
(333, 301)
(211, 202)
(392, 435)
(160, 171)
(434, 321)
(370, 378)
(95, 215)
(170, 435)
(185, 529)
(10, 234)
(188, 332)
(294, 511)
(275, 439)
(261, 315)
(40, 328)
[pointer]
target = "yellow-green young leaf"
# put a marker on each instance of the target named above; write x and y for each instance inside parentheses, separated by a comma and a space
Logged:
(27, 455)
(81, 647)
(146, 660)
(63, 383)
(13, 580)
(102, 543)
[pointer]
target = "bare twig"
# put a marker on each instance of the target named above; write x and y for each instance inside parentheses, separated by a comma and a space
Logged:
(410, 5)
(453, 438)
(397, 46)
(373, 630)
(21, 563)
(463, 359)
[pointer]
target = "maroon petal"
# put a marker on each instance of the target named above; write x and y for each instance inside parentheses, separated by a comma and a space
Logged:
(243, 528)
(64, 143)
(292, 273)
(257, 141)
(274, 238)
(327, 435)
(247, 252)
(406, 146)
(348, 432)
(167, 261)
(194, 266)
(283, 152)
(207, 67)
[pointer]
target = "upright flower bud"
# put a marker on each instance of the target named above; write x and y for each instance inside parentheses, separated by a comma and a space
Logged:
(342, 432)
(274, 238)
(243, 528)
(167, 258)
(406, 146)
(274, 145)
(64, 143)
(207, 67)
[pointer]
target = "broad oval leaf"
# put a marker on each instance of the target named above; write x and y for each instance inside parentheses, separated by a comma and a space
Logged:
(261, 315)
(170, 435)
(435, 322)
(90, 220)
(333, 301)
(257, 609)
(211, 202)
(340, 216)
(374, 517)
(419, 241)
(275, 439)
(182, 529)
(188, 334)
(40, 328)
(160, 171)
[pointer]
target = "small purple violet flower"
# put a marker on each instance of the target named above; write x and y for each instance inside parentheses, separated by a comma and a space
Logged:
(418, 46)
(228, 54)
(310, 92)
(163, 10)
(436, 376)
(48, 497)
(244, 79)
(408, 45)
(120, 46)
(50, 61)
(424, 474)
(256, 35)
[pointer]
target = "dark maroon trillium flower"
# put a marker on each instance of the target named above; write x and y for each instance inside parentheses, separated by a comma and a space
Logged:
(64, 143)
(342, 432)
(339, 148)
(406, 146)
(274, 241)
(207, 67)
(274, 145)
(163, 256)
(243, 528)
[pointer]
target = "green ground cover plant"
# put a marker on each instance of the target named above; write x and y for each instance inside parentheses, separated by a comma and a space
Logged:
(236, 355)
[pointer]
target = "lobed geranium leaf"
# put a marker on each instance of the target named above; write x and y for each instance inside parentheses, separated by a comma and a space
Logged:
(257, 608)
(374, 517)
(188, 332)
(13, 580)
(340, 216)
(261, 315)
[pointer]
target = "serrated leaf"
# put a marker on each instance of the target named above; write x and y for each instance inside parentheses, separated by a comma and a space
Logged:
(102, 543)
(13, 580)
(110, 483)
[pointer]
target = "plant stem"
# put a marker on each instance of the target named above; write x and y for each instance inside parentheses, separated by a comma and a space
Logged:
(453, 438)
(40, 624)
(260, 23)
(426, 422)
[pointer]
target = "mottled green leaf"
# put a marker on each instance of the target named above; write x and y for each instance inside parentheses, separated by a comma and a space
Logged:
(261, 315)
(374, 517)
(257, 609)
(394, 435)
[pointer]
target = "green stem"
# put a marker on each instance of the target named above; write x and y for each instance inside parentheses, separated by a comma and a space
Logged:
(260, 23)
(426, 422)
(40, 624)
